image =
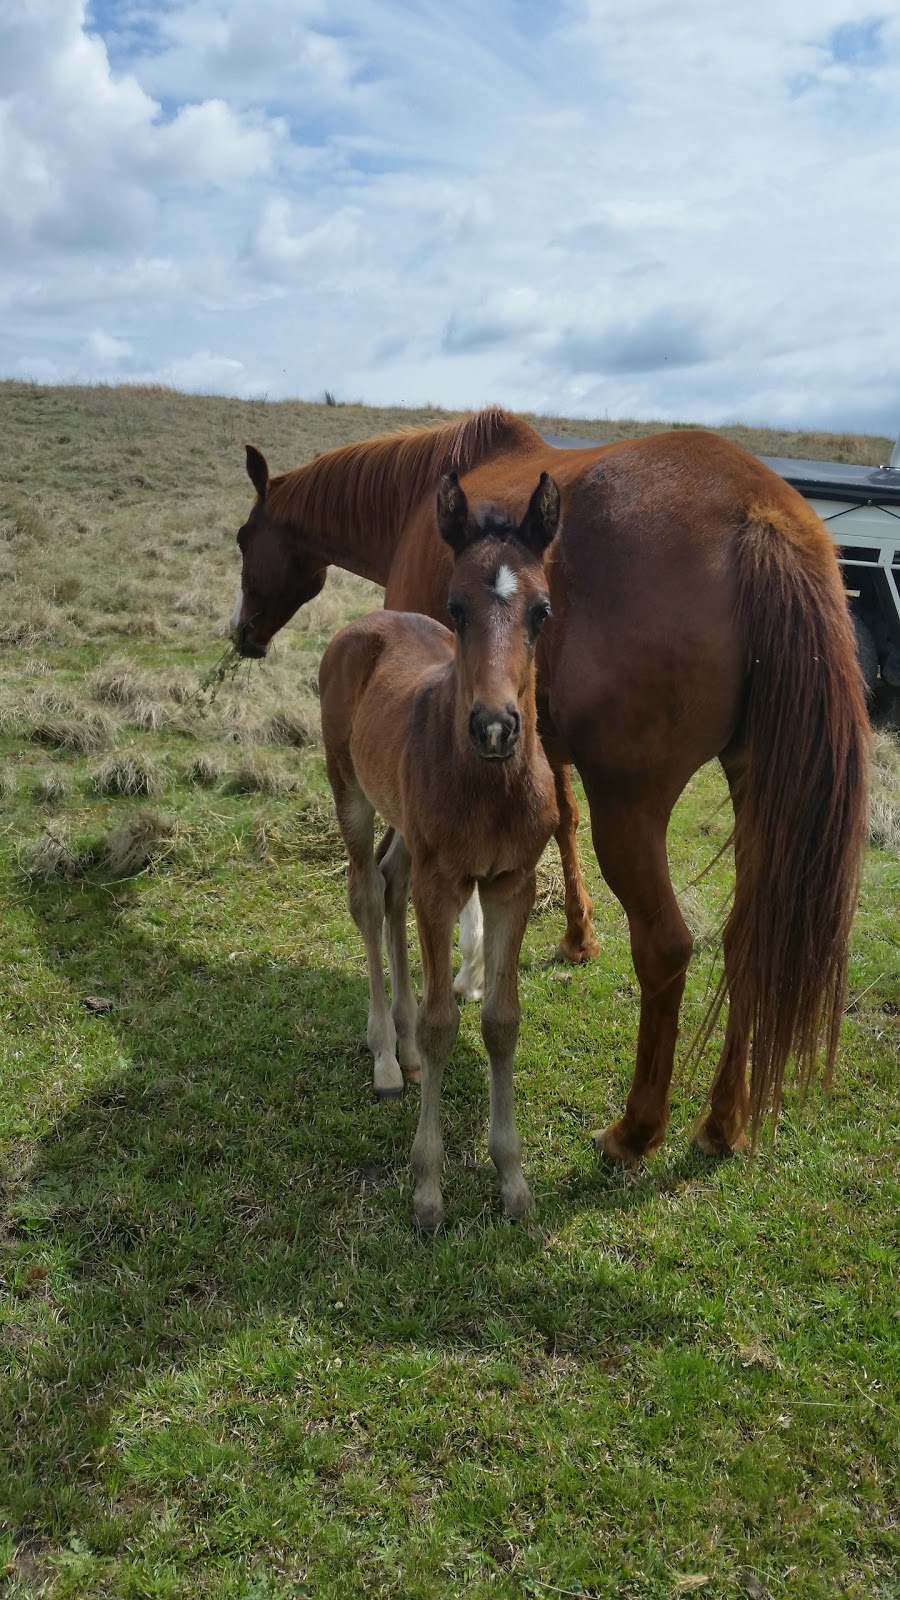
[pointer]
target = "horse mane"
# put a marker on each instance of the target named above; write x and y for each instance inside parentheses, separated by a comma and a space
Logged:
(375, 483)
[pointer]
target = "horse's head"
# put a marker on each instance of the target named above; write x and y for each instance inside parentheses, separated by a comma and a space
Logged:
(498, 603)
(277, 576)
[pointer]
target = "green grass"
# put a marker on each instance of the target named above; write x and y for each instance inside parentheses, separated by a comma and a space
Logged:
(230, 1366)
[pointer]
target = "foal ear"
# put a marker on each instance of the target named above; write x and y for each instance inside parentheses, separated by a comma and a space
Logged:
(540, 522)
(452, 512)
(258, 470)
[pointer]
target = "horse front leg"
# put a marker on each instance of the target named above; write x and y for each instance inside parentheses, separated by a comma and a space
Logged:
(506, 905)
(437, 906)
(631, 849)
(579, 942)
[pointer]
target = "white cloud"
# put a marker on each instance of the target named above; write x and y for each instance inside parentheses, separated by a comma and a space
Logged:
(584, 206)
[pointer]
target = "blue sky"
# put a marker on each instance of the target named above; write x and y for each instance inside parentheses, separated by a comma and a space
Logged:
(592, 208)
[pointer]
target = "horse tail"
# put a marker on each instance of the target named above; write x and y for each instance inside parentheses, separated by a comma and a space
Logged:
(800, 787)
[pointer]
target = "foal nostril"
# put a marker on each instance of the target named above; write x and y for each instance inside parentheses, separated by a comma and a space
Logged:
(494, 733)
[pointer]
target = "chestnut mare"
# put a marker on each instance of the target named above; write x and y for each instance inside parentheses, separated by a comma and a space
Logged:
(698, 612)
(439, 735)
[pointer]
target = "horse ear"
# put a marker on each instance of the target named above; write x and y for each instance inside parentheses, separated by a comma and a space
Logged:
(452, 512)
(540, 522)
(258, 470)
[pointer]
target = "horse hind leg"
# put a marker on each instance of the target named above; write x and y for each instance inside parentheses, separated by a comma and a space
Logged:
(631, 848)
(395, 868)
(721, 1131)
(579, 942)
(366, 895)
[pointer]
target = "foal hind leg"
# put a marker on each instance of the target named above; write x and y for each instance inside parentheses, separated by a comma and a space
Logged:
(631, 848)
(366, 894)
(579, 942)
(507, 904)
(395, 868)
(469, 981)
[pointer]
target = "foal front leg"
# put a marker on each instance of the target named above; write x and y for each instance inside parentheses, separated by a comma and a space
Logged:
(506, 904)
(437, 1024)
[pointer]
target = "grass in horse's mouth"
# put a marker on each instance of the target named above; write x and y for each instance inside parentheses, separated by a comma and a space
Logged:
(223, 669)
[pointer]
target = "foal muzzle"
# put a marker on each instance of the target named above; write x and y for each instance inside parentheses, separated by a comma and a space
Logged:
(494, 734)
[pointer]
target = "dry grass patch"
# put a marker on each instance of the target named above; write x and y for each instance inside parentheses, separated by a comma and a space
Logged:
(884, 804)
(82, 735)
(299, 725)
(139, 842)
(258, 775)
(205, 770)
(131, 773)
(51, 788)
(7, 783)
(51, 858)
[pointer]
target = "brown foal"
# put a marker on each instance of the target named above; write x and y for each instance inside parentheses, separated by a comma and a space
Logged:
(437, 732)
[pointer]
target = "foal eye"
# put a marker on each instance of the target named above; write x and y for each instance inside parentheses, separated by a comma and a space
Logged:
(457, 616)
(539, 614)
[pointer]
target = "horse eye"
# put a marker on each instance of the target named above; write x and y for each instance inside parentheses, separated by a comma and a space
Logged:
(242, 539)
(457, 616)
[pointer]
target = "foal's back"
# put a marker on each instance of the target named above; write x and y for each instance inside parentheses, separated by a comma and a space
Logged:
(369, 678)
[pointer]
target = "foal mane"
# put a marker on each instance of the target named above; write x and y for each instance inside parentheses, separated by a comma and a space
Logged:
(375, 483)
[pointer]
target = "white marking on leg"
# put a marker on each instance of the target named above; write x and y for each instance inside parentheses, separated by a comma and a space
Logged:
(469, 982)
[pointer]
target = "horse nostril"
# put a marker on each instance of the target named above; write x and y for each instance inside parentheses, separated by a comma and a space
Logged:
(515, 722)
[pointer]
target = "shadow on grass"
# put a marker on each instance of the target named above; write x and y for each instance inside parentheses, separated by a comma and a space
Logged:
(232, 1169)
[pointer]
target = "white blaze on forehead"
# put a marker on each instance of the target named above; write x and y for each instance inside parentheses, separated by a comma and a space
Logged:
(236, 613)
(505, 583)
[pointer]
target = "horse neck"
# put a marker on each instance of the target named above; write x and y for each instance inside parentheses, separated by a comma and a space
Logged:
(351, 506)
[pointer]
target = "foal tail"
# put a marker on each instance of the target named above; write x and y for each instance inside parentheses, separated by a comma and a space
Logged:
(799, 785)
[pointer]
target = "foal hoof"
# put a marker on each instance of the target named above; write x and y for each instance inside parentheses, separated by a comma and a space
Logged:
(388, 1094)
(428, 1215)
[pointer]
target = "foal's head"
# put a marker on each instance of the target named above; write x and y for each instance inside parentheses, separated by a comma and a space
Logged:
(498, 603)
(277, 574)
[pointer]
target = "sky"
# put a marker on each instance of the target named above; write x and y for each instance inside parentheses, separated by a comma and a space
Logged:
(589, 208)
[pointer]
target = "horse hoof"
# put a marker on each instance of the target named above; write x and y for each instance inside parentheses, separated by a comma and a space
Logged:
(576, 951)
(608, 1145)
(713, 1144)
(388, 1094)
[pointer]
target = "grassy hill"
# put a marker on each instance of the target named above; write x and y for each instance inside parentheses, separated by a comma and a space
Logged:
(229, 1366)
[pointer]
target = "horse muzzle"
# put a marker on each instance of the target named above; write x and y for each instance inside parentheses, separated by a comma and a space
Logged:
(245, 644)
(494, 734)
